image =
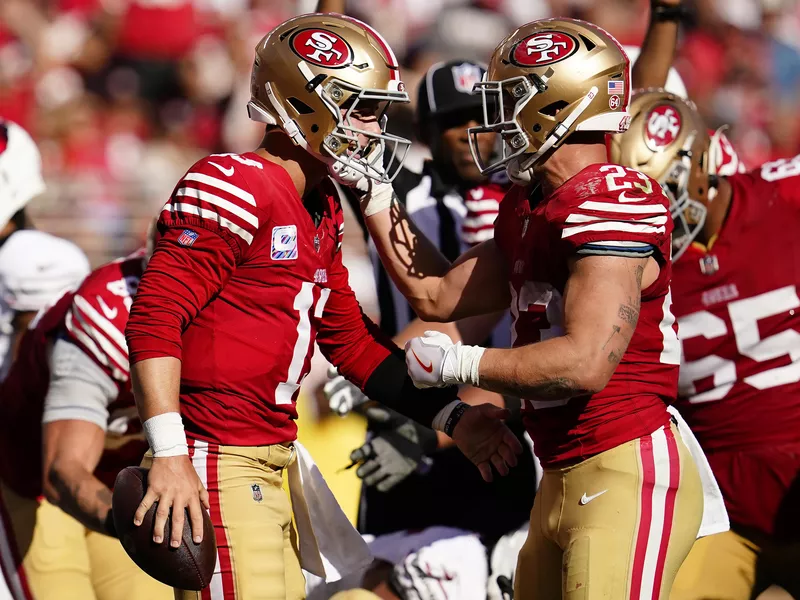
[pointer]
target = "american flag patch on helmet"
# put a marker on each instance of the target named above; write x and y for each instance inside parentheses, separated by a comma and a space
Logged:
(188, 237)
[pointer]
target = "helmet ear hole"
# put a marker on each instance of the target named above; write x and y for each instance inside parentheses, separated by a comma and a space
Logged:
(301, 107)
(590, 45)
(552, 109)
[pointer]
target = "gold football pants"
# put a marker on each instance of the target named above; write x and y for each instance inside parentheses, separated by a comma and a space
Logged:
(731, 566)
(48, 555)
(615, 526)
(257, 555)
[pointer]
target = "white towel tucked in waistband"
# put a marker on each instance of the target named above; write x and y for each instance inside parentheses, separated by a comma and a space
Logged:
(330, 547)
(715, 516)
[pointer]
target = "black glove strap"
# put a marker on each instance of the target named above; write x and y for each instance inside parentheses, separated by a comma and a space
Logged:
(669, 13)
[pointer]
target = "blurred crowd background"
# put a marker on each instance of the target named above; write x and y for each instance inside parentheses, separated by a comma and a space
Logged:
(124, 95)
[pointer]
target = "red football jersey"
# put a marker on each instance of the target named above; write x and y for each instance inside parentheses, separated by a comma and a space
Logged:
(241, 285)
(739, 315)
(94, 319)
(606, 210)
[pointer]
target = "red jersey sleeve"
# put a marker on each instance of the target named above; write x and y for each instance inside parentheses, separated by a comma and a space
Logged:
(207, 227)
(96, 319)
(612, 210)
(346, 337)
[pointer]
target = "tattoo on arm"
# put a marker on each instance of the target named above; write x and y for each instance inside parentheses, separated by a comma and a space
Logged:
(83, 497)
(558, 388)
(629, 314)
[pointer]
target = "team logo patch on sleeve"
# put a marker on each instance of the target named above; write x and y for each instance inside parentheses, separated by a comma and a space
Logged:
(284, 242)
(188, 237)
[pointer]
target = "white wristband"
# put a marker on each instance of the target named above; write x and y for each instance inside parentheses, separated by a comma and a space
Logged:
(466, 368)
(165, 435)
(379, 197)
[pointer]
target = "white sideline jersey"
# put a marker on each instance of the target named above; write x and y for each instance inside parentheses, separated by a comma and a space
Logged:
(36, 268)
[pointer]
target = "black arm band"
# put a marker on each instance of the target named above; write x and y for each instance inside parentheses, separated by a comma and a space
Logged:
(454, 418)
(669, 13)
(390, 385)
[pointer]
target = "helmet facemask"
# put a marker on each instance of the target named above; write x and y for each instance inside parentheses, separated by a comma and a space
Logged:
(688, 214)
(347, 158)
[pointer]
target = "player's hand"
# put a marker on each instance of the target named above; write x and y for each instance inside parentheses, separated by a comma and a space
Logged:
(484, 438)
(174, 484)
(394, 453)
(432, 360)
(342, 396)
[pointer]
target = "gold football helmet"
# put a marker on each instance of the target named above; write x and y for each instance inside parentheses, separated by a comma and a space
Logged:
(667, 140)
(546, 80)
(311, 68)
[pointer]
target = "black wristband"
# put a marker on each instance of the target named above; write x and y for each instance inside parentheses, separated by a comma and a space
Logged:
(390, 385)
(454, 418)
(669, 13)
(110, 528)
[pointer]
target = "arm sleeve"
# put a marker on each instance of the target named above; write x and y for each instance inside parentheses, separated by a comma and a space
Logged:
(79, 388)
(178, 282)
(207, 228)
(368, 358)
(605, 225)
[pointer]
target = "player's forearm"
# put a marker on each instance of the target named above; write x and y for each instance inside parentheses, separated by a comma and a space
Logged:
(156, 386)
(417, 327)
(415, 265)
(71, 487)
(657, 54)
(556, 369)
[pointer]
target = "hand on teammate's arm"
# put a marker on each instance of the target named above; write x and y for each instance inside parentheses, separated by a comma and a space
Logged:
(658, 48)
(71, 452)
(601, 308)
(476, 283)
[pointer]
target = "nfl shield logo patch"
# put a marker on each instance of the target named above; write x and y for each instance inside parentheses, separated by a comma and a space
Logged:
(709, 264)
(284, 242)
(257, 495)
(188, 237)
(465, 76)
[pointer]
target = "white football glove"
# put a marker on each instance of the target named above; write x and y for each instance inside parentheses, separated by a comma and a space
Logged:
(342, 396)
(444, 570)
(435, 361)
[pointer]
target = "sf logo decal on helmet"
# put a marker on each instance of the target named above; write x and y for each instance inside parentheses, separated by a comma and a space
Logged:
(663, 127)
(544, 48)
(322, 48)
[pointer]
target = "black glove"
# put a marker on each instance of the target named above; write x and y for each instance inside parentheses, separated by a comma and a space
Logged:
(397, 450)
(111, 529)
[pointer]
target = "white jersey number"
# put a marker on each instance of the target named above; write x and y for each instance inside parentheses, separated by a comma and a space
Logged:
(744, 315)
(781, 169)
(302, 346)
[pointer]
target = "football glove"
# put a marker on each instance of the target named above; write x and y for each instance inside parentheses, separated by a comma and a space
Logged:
(435, 361)
(342, 396)
(395, 452)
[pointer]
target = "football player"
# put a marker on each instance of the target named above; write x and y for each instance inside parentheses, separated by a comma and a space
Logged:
(35, 267)
(735, 297)
(69, 424)
(246, 277)
(581, 253)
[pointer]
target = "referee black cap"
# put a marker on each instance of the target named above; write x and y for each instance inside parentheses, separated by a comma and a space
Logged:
(446, 90)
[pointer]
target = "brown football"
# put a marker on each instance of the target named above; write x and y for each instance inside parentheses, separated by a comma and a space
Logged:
(187, 567)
